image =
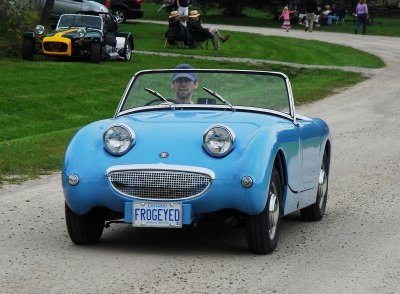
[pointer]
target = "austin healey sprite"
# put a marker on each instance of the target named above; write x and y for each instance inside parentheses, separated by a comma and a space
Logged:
(188, 143)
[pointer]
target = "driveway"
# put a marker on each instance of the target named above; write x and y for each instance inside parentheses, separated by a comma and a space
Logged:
(354, 249)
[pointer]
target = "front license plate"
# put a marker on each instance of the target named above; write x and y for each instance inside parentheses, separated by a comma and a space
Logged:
(157, 214)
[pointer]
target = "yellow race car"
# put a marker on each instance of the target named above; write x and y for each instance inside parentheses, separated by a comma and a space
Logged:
(91, 35)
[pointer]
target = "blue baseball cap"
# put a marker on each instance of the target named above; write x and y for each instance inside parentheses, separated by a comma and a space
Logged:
(190, 75)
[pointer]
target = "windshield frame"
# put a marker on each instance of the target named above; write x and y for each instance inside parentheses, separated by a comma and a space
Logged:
(58, 28)
(291, 115)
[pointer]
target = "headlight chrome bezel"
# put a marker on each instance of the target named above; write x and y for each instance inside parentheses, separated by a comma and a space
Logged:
(228, 134)
(81, 32)
(129, 135)
(39, 30)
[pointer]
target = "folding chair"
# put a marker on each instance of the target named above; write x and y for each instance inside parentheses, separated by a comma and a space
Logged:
(175, 36)
(341, 16)
(200, 38)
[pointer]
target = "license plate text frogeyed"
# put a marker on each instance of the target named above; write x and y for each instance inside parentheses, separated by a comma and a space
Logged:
(151, 214)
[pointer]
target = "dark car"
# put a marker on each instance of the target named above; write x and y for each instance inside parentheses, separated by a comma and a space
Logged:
(124, 9)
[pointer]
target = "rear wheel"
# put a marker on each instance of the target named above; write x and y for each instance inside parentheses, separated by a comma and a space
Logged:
(119, 14)
(95, 53)
(317, 210)
(87, 228)
(127, 50)
(263, 228)
(28, 48)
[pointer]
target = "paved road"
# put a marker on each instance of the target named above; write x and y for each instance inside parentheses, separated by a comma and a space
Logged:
(354, 249)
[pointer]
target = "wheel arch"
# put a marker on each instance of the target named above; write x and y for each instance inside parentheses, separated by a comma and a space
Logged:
(328, 151)
(280, 165)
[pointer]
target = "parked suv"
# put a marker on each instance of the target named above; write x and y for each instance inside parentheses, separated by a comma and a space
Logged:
(73, 6)
(124, 9)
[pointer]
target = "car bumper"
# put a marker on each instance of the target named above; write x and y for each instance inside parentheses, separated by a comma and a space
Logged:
(224, 192)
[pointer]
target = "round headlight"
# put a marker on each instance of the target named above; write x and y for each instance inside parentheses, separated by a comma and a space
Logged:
(218, 140)
(81, 32)
(118, 139)
(39, 30)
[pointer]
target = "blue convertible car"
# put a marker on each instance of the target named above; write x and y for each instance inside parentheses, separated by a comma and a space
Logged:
(185, 144)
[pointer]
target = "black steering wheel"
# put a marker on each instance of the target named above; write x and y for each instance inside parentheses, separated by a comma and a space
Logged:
(160, 101)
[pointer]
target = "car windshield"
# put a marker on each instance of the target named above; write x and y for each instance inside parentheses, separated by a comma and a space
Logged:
(78, 21)
(209, 88)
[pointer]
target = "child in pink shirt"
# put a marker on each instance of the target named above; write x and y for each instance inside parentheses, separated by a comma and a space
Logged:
(286, 18)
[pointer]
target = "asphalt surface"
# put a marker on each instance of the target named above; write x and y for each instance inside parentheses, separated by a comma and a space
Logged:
(353, 249)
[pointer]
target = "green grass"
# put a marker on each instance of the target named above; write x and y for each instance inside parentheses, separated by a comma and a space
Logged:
(43, 103)
(262, 47)
(383, 26)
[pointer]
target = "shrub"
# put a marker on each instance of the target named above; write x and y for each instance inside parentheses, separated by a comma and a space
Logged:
(16, 17)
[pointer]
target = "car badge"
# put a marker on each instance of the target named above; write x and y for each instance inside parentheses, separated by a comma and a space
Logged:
(164, 154)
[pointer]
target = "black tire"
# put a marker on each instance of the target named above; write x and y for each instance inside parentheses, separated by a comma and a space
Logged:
(119, 14)
(85, 229)
(316, 211)
(263, 229)
(27, 49)
(95, 53)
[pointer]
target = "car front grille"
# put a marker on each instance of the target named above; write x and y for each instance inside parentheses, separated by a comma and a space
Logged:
(159, 185)
(55, 47)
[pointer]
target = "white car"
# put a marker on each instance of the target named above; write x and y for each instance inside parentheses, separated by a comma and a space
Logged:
(73, 6)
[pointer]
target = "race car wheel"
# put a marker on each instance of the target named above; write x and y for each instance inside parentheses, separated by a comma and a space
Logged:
(95, 54)
(84, 229)
(263, 228)
(27, 49)
(127, 50)
(119, 14)
(317, 210)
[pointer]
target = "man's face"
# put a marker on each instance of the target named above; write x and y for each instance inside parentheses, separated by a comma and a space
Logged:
(184, 88)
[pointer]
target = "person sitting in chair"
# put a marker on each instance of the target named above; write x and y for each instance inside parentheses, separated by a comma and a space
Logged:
(176, 31)
(200, 34)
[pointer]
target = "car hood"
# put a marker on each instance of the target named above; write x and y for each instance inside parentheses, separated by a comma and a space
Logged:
(71, 33)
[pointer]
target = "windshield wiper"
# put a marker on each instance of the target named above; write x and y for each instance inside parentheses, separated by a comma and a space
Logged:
(216, 95)
(158, 95)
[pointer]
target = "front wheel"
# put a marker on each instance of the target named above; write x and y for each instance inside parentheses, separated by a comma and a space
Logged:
(95, 53)
(27, 49)
(87, 228)
(263, 228)
(316, 211)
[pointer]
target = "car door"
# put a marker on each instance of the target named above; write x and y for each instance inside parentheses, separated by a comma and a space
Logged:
(311, 143)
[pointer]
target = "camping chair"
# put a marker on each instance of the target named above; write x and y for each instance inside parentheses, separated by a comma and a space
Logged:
(200, 38)
(175, 36)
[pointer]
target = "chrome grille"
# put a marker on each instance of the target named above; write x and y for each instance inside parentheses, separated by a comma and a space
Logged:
(159, 184)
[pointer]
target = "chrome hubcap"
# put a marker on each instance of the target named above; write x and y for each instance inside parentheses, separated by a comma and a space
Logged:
(119, 16)
(273, 209)
(322, 186)
(128, 52)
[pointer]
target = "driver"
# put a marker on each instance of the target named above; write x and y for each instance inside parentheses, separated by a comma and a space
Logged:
(184, 83)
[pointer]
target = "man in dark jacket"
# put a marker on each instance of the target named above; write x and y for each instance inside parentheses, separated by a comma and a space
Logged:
(198, 33)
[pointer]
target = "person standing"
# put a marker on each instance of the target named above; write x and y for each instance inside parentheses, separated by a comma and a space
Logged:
(362, 16)
(183, 8)
(286, 18)
(310, 8)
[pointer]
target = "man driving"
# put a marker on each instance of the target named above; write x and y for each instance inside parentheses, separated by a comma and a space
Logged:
(184, 83)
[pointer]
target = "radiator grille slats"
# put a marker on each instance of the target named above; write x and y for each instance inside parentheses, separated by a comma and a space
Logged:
(165, 185)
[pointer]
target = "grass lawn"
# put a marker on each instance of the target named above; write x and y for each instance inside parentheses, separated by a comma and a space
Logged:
(43, 103)
(262, 47)
(383, 26)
